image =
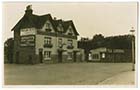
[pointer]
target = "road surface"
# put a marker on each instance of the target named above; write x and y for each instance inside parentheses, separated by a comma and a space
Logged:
(62, 74)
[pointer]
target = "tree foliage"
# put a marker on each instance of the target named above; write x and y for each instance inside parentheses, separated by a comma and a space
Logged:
(98, 40)
(8, 49)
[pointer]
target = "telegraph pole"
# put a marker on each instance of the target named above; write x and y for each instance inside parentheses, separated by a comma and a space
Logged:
(133, 47)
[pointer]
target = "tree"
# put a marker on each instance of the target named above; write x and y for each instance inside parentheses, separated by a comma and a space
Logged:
(97, 41)
(8, 50)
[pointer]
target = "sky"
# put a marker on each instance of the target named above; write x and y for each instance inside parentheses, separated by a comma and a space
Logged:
(108, 19)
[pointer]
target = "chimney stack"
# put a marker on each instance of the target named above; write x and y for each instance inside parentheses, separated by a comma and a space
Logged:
(55, 18)
(29, 10)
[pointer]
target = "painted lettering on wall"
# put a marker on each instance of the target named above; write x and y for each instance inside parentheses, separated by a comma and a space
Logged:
(27, 31)
(27, 41)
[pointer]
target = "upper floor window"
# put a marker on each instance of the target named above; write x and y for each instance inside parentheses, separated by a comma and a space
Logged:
(70, 32)
(60, 42)
(60, 28)
(48, 27)
(70, 42)
(47, 40)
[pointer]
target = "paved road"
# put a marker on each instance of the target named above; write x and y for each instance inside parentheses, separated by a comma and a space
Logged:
(62, 74)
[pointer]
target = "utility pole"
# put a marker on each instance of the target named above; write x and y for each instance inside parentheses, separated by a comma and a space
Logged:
(133, 47)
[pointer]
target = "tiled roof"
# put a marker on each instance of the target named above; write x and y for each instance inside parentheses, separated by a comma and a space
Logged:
(28, 21)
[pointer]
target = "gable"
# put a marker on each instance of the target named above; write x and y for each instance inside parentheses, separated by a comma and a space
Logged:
(60, 28)
(48, 26)
(70, 31)
(40, 23)
(32, 21)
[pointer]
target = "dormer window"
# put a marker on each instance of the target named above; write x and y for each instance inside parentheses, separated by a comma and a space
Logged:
(60, 28)
(48, 27)
(70, 32)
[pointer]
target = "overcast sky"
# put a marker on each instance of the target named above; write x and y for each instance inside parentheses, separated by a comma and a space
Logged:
(108, 19)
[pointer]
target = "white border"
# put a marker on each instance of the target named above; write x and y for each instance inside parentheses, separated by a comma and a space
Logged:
(65, 87)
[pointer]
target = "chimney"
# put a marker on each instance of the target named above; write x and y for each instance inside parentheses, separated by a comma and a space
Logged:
(28, 10)
(55, 18)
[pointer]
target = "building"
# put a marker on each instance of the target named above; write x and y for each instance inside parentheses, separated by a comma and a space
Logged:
(109, 55)
(43, 39)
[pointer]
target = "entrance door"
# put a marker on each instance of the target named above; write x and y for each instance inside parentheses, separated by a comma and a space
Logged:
(60, 57)
(17, 57)
(30, 59)
(74, 56)
(40, 56)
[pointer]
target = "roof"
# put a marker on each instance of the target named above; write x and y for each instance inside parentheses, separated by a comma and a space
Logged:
(104, 49)
(28, 21)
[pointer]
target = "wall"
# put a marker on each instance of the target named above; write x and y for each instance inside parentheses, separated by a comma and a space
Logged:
(54, 50)
(24, 52)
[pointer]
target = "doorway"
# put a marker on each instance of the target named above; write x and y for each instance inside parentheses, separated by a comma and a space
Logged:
(74, 56)
(41, 56)
(60, 56)
(17, 57)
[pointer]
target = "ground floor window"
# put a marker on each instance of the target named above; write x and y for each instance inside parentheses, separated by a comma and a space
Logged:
(103, 55)
(95, 56)
(47, 55)
(69, 55)
(89, 56)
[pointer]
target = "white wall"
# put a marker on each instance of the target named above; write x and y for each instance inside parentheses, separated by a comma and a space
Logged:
(40, 42)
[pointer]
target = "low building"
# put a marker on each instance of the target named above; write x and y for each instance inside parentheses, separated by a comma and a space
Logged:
(43, 39)
(109, 55)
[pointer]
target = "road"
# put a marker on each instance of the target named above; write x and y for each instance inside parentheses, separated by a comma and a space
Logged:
(62, 74)
(124, 78)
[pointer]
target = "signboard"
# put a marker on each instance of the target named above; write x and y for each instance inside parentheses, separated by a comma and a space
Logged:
(27, 31)
(118, 51)
(27, 41)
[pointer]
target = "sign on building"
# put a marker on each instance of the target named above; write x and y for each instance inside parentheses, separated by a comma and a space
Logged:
(27, 31)
(27, 41)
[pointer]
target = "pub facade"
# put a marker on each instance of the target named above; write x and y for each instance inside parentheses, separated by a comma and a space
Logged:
(43, 39)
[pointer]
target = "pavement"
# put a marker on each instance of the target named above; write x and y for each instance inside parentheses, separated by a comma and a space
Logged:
(125, 78)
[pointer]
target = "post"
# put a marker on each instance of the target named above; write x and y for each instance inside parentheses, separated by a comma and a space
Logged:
(133, 55)
(133, 47)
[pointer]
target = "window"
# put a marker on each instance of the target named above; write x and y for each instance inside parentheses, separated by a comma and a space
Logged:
(47, 40)
(70, 42)
(69, 55)
(103, 55)
(47, 55)
(70, 46)
(70, 31)
(60, 42)
(95, 56)
(48, 27)
(60, 28)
